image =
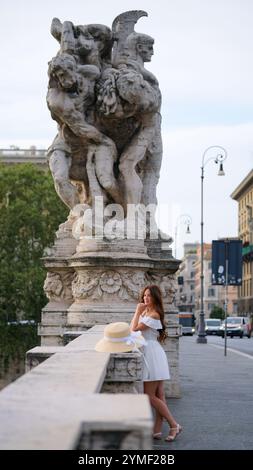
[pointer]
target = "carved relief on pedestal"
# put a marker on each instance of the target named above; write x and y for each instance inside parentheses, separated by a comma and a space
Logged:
(133, 282)
(110, 282)
(95, 284)
(86, 285)
(166, 284)
(57, 286)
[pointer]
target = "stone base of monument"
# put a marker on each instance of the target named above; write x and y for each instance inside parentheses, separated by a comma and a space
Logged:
(171, 347)
(102, 286)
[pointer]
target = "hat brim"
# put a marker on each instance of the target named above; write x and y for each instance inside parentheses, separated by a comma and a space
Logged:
(108, 346)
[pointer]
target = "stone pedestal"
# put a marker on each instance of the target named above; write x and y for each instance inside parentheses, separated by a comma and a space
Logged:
(87, 288)
(98, 289)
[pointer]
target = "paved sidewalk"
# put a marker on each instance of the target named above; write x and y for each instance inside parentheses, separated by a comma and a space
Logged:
(216, 408)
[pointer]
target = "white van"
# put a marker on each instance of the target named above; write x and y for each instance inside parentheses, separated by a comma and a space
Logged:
(236, 326)
(213, 326)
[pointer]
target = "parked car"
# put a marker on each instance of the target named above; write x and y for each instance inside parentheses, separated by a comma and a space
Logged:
(236, 326)
(212, 326)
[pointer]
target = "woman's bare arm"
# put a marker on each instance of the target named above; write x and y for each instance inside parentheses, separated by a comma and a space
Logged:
(139, 310)
(140, 327)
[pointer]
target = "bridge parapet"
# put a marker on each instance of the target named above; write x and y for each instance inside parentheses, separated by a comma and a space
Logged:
(59, 404)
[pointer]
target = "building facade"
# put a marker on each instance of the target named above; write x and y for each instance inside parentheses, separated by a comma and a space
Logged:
(243, 194)
(214, 296)
(185, 297)
(211, 293)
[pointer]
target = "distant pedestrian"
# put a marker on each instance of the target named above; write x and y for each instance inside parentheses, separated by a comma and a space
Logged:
(250, 326)
(149, 319)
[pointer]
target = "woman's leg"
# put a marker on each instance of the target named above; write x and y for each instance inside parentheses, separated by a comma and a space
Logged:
(155, 391)
(159, 419)
(150, 388)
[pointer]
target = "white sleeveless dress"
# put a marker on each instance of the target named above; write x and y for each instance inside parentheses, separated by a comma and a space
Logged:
(155, 361)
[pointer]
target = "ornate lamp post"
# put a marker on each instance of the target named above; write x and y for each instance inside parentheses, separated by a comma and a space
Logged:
(187, 220)
(221, 155)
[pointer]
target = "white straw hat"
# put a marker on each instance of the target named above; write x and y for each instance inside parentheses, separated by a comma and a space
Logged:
(119, 338)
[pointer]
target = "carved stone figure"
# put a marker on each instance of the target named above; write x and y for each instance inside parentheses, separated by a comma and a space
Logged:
(58, 286)
(107, 107)
(71, 87)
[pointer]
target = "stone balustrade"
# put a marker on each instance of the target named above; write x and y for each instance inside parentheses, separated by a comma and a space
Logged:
(123, 370)
(59, 404)
(171, 347)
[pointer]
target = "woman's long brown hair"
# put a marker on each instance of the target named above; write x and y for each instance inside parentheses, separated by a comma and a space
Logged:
(157, 301)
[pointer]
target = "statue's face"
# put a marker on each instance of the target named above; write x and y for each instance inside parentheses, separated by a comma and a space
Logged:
(66, 77)
(145, 51)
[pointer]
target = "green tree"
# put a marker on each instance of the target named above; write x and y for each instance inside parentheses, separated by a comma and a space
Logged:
(30, 213)
(217, 312)
(15, 340)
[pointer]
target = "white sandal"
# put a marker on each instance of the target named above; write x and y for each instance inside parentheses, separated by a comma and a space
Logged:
(157, 435)
(178, 429)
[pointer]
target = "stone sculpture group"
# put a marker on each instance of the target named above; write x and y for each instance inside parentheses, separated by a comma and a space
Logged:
(107, 108)
(105, 161)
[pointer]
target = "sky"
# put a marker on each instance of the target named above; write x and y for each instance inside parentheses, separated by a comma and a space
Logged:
(204, 63)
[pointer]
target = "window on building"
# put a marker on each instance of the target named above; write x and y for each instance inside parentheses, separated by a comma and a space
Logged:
(211, 293)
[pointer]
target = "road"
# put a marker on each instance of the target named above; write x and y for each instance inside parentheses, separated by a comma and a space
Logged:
(215, 408)
(243, 345)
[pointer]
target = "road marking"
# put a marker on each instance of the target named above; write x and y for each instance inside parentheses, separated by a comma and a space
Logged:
(233, 350)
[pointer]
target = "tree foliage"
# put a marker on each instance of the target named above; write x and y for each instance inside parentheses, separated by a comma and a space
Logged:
(15, 340)
(217, 312)
(30, 213)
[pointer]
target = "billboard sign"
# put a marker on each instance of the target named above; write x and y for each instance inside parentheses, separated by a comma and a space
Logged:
(230, 250)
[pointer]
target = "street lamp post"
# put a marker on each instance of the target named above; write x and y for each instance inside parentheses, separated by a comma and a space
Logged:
(221, 155)
(187, 220)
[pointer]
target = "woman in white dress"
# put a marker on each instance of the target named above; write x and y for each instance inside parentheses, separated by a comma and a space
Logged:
(149, 319)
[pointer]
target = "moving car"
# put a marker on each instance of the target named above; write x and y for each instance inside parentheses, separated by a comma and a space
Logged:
(212, 326)
(236, 326)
